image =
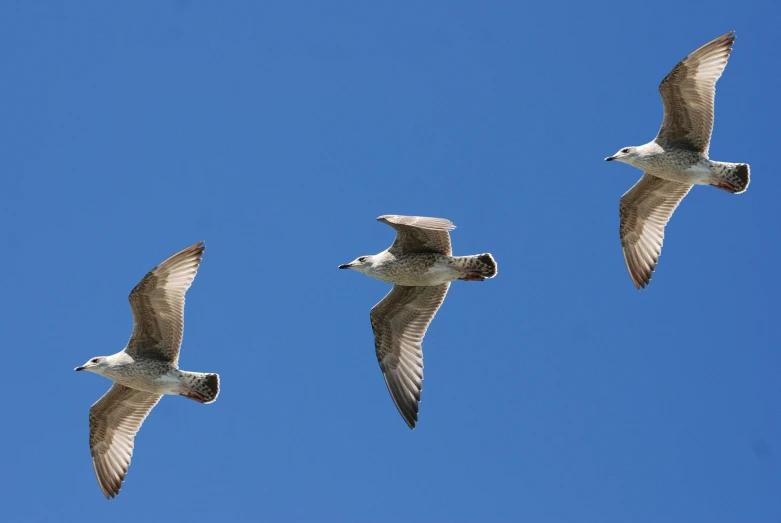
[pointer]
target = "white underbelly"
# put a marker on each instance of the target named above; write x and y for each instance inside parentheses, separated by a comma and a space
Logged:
(168, 384)
(698, 169)
(165, 384)
(439, 274)
(699, 174)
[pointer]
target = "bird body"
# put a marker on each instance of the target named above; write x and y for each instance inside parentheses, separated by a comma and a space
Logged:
(424, 269)
(155, 376)
(145, 374)
(686, 166)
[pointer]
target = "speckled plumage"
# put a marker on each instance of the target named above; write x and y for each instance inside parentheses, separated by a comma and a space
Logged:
(676, 159)
(146, 369)
(421, 266)
(422, 269)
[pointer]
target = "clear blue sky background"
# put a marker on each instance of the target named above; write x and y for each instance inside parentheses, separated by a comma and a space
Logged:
(555, 392)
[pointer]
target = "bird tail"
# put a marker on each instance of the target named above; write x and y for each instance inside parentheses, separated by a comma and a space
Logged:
(731, 177)
(477, 267)
(203, 388)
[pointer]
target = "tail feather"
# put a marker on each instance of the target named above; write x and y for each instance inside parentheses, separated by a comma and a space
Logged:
(478, 267)
(734, 178)
(203, 388)
(489, 268)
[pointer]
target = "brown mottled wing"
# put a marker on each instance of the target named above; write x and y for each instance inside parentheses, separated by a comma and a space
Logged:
(113, 422)
(645, 209)
(158, 306)
(419, 234)
(688, 94)
(399, 322)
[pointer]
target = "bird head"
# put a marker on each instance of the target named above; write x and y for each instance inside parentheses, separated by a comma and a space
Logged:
(95, 365)
(361, 264)
(626, 155)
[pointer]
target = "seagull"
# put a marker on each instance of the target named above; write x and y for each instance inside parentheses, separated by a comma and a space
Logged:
(421, 265)
(676, 159)
(146, 369)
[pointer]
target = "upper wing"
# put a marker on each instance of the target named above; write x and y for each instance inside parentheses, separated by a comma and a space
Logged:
(419, 234)
(113, 422)
(399, 322)
(158, 306)
(645, 209)
(688, 93)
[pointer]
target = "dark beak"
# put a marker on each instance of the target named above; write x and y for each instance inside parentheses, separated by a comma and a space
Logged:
(610, 158)
(345, 266)
(80, 368)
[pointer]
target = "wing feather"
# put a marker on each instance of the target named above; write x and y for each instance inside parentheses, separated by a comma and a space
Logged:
(688, 94)
(644, 211)
(400, 322)
(158, 306)
(416, 234)
(114, 421)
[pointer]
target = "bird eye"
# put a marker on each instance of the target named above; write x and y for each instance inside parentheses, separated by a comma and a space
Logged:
(625, 150)
(362, 259)
(94, 360)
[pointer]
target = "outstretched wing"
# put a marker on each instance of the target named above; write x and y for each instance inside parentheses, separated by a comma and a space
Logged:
(688, 94)
(416, 234)
(113, 422)
(645, 210)
(399, 322)
(158, 306)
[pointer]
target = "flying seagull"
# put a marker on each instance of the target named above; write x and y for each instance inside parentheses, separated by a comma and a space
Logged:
(421, 265)
(146, 369)
(676, 159)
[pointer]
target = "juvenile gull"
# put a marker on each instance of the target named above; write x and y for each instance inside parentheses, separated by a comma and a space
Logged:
(676, 159)
(421, 265)
(146, 369)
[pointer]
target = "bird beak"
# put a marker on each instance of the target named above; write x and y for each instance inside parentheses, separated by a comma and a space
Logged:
(80, 368)
(610, 158)
(345, 266)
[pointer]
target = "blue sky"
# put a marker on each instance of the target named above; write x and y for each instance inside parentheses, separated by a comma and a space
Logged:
(277, 134)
